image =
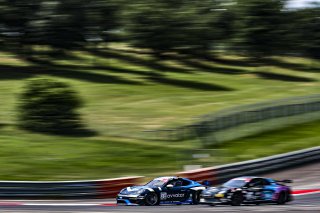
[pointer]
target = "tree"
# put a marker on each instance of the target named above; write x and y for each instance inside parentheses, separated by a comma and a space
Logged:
(259, 26)
(15, 19)
(307, 31)
(61, 24)
(178, 25)
(49, 106)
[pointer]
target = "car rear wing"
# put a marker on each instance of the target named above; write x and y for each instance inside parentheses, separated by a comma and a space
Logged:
(284, 181)
(206, 183)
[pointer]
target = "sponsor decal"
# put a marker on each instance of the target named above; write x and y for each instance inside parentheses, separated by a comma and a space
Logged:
(175, 195)
(165, 196)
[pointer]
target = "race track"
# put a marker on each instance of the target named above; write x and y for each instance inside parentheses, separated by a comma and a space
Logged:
(305, 177)
(303, 203)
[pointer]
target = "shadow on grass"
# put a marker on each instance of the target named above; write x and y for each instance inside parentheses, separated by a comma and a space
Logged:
(18, 72)
(2, 125)
(15, 72)
(230, 62)
(153, 64)
(83, 132)
(50, 63)
(207, 68)
(188, 84)
(291, 66)
(74, 132)
(282, 77)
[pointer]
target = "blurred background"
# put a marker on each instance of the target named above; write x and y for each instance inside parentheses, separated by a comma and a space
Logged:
(108, 88)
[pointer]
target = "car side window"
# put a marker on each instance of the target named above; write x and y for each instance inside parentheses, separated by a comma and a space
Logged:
(185, 182)
(178, 183)
(266, 182)
(255, 182)
(171, 182)
(175, 183)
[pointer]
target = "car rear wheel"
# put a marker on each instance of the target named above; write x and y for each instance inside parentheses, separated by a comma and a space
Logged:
(237, 199)
(282, 198)
(152, 199)
(196, 198)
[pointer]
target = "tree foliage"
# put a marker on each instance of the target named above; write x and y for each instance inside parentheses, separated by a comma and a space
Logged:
(180, 25)
(258, 28)
(49, 106)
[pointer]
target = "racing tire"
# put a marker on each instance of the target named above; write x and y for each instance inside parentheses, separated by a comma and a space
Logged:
(237, 199)
(152, 199)
(282, 198)
(289, 196)
(196, 197)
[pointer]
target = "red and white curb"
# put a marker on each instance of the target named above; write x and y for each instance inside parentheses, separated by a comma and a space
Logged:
(8, 203)
(113, 204)
(305, 192)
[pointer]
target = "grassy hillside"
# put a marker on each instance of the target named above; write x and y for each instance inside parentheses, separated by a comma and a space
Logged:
(128, 92)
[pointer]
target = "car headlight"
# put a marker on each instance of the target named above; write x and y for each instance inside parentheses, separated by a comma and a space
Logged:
(222, 192)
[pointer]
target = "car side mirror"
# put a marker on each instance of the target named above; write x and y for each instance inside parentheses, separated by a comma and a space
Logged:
(206, 183)
(169, 186)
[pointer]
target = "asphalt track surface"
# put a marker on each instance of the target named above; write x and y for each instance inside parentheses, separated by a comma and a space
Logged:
(303, 203)
(305, 177)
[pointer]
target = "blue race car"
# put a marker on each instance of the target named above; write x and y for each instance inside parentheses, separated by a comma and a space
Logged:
(162, 190)
(248, 190)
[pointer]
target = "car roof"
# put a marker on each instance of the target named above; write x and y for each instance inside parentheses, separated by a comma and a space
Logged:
(166, 178)
(246, 177)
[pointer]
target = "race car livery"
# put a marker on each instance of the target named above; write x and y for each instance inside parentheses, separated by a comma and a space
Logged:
(248, 190)
(162, 190)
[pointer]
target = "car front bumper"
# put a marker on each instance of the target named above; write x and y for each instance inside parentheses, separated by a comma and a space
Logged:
(213, 199)
(130, 199)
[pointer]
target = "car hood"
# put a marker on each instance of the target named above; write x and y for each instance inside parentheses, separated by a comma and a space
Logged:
(133, 190)
(216, 190)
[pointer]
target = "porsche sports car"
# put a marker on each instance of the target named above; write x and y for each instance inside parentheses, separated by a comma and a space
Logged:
(162, 190)
(248, 190)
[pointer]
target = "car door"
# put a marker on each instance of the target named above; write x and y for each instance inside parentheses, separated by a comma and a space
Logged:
(255, 190)
(268, 190)
(176, 192)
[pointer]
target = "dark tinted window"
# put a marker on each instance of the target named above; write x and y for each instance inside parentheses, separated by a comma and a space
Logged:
(256, 182)
(185, 182)
(266, 182)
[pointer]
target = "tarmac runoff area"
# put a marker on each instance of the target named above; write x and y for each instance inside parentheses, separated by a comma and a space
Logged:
(306, 190)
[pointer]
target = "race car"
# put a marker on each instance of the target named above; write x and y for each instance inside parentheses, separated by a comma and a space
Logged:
(162, 190)
(248, 190)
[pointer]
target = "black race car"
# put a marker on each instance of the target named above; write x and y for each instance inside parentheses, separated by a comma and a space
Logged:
(162, 190)
(248, 190)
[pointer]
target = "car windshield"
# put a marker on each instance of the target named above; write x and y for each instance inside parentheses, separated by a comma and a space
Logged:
(157, 182)
(235, 183)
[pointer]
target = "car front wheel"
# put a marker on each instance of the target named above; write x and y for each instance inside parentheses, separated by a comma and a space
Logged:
(237, 199)
(152, 199)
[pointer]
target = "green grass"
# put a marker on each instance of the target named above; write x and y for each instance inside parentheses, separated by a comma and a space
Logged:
(27, 156)
(125, 98)
(30, 156)
(273, 142)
